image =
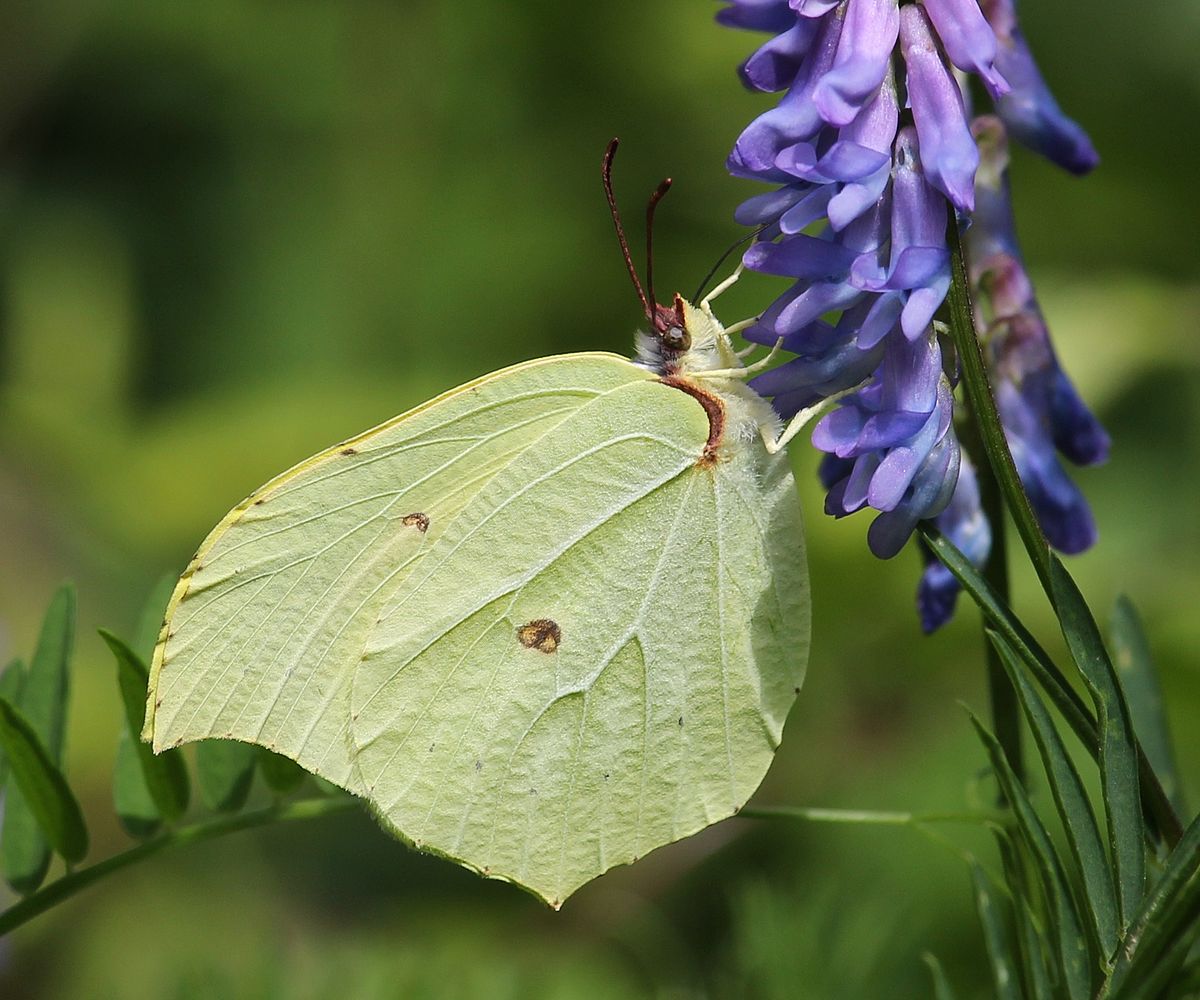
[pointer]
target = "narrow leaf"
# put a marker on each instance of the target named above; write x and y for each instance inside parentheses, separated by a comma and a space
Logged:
(1153, 930)
(941, 985)
(145, 637)
(165, 773)
(1139, 679)
(43, 703)
(135, 806)
(282, 774)
(11, 681)
(995, 936)
(1148, 977)
(1074, 962)
(224, 771)
(42, 785)
(1000, 617)
(1074, 808)
(44, 695)
(1157, 807)
(1031, 937)
(1118, 748)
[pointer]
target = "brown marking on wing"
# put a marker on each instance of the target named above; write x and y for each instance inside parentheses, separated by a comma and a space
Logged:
(541, 634)
(416, 520)
(713, 407)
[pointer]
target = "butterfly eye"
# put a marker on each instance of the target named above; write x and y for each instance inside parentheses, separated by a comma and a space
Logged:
(676, 338)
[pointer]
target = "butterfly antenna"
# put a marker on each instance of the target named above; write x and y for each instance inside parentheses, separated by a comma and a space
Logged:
(659, 194)
(754, 234)
(616, 217)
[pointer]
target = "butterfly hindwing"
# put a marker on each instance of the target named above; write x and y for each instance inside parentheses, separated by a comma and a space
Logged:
(574, 675)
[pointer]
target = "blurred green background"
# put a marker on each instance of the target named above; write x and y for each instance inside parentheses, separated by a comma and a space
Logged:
(232, 233)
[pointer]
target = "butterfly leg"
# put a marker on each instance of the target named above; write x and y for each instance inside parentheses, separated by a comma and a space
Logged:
(745, 371)
(774, 445)
(723, 286)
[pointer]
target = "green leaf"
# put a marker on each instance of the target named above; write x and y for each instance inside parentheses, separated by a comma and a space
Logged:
(165, 773)
(26, 853)
(224, 772)
(1074, 962)
(995, 936)
(11, 681)
(134, 804)
(1031, 937)
(1000, 617)
(145, 637)
(1118, 748)
(1070, 797)
(1158, 924)
(282, 774)
(941, 985)
(42, 785)
(1139, 679)
(1157, 807)
(1149, 979)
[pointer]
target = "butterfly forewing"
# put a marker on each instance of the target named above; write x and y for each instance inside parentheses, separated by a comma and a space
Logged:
(270, 620)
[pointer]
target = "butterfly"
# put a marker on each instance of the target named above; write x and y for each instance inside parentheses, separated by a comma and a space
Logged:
(544, 623)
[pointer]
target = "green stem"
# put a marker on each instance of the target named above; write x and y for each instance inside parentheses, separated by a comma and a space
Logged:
(868, 816)
(983, 406)
(79, 879)
(984, 440)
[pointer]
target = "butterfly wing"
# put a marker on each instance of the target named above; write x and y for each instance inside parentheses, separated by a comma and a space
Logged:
(268, 623)
(597, 654)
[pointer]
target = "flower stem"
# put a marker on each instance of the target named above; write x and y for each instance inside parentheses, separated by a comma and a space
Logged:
(870, 817)
(987, 445)
(983, 407)
(79, 879)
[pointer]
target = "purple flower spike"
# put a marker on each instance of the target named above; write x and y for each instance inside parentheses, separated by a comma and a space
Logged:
(1029, 109)
(863, 55)
(947, 150)
(968, 40)
(858, 316)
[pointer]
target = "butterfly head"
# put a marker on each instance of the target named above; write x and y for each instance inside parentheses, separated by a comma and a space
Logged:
(684, 338)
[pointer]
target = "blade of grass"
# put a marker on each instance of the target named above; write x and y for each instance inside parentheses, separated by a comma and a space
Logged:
(1075, 963)
(1139, 678)
(1118, 747)
(1071, 800)
(43, 787)
(43, 703)
(165, 773)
